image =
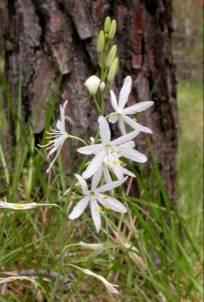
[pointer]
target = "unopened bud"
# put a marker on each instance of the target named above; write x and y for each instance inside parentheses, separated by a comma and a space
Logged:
(107, 24)
(111, 55)
(91, 246)
(100, 42)
(112, 29)
(102, 86)
(113, 69)
(92, 84)
(92, 140)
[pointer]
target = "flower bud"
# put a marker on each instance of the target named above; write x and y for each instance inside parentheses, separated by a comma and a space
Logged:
(91, 246)
(92, 84)
(100, 42)
(107, 24)
(102, 86)
(113, 69)
(112, 29)
(111, 55)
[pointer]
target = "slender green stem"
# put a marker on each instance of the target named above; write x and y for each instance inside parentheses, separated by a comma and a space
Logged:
(4, 165)
(96, 104)
(77, 139)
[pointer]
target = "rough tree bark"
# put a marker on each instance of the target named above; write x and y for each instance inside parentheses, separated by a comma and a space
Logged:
(48, 38)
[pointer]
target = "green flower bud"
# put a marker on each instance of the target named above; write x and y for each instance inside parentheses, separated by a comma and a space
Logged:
(100, 42)
(92, 84)
(113, 70)
(112, 29)
(107, 24)
(111, 55)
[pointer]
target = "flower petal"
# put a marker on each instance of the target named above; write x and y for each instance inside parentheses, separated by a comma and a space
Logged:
(125, 138)
(104, 130)
(92, 84)
(54, 159)
(109, 286)
(127, 172)
(121, 126)
(92, 149)
(113, 118)
(79, 208)
(117, 171)
(82, 182)
(112, 203)
(136, 125)
(114, 101)
(133, 155)
(96, 178)
(110, 186)
(22, 206)
(130, 144)
(95, 214)
(125, 91)
(91, 246)
(58, 142)
(106, 175)
(94, 164)
(139, 107)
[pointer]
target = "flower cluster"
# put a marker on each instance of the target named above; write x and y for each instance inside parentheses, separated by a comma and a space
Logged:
(107, 163)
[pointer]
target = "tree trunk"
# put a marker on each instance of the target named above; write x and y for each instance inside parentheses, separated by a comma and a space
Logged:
(51, 38)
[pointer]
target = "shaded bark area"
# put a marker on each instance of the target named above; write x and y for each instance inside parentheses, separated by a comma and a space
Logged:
(56, 38)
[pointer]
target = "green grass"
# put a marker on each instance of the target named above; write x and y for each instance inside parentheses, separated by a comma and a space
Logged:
(190, 158)
(152, 253)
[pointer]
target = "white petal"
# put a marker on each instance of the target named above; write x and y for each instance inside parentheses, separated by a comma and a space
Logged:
(92, 149)
(96, 178)
(58, 142)
(139, 107)
(127, 172)
(65, 104)
(130, 144)
(121, 126)
(112, 203)
(133, 155)
(113, 118)
(95, 214)
(114, 101)
(125, 138)
(136, 125)
(82, 182)
(53, 161)
(110, 186)
(109, 286)
(79, 208)
(104, 130)
(106, 175)
(117, 171)
(91, 246)
(60, 125)
(94, 164)
(22, 206)
(52, 150)
(92, 84)
(125, 91)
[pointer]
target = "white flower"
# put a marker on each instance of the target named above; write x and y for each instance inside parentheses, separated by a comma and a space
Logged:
(91, 246)
(108, 152)
(96, 196)
(121, 114)
(111, 288)
(92, 84)
(57, 137)
(22, 206)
